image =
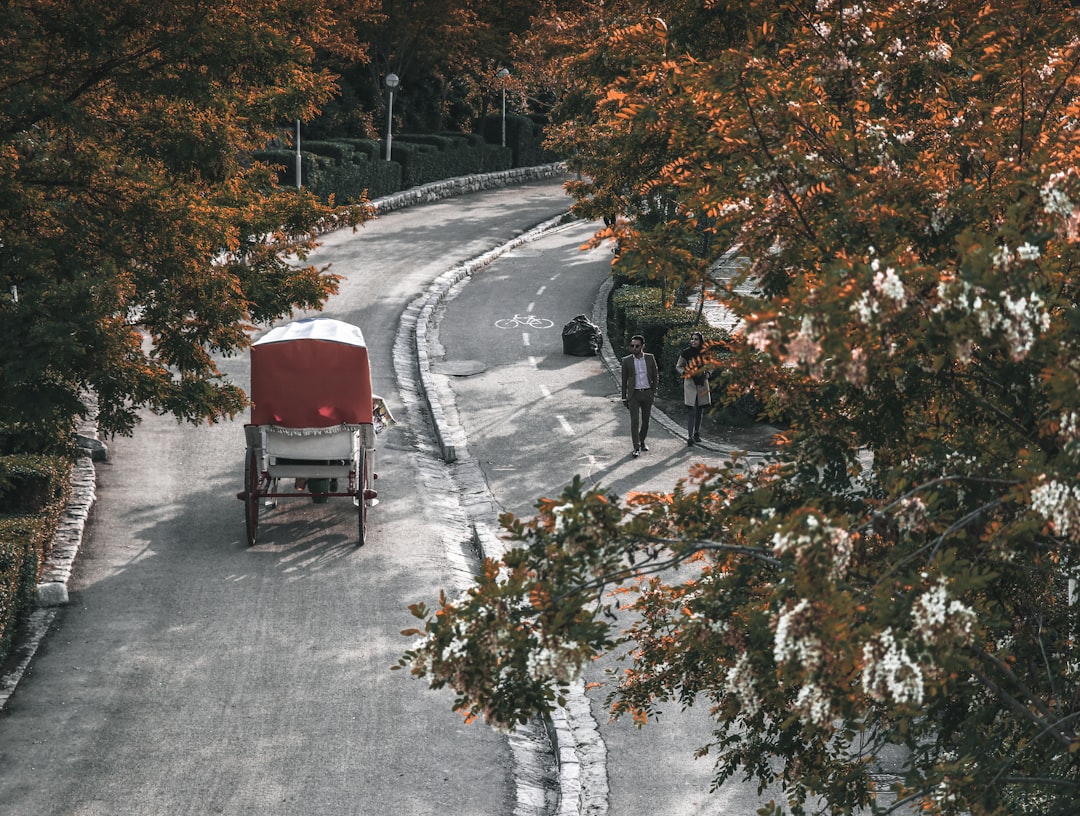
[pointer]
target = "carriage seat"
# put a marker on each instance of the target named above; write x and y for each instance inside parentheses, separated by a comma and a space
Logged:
(311, 456)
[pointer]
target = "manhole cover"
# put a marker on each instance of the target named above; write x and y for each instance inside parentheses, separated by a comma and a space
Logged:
(459, 368)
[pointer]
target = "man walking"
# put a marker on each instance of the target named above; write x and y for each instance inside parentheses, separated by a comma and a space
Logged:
(639, 382)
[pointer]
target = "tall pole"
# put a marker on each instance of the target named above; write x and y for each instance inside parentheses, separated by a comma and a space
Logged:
(502, 75)
(297, 154)
(391, 83)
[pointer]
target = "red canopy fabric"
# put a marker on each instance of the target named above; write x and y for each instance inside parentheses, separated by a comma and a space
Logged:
(312, 373)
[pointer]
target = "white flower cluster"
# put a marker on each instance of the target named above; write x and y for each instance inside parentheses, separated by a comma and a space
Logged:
(856, 371)
(805, 348)
(836, 540)
(794, 639)
(456, 648)
(762, 336)
(878, 141)
(888, 674)
(741, 684)
(549, 663)
(911, 514)
(885, 286)
(934, 615)
(1055, 198)
(939, 52)
(814, 705)
(1060, 505)
(559, 513)
(1004, 257)
(1021, 320)
(1069, 428)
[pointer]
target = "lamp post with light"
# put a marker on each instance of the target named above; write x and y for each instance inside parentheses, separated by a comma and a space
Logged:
(298, 162)
(391, 83)
(502, 75)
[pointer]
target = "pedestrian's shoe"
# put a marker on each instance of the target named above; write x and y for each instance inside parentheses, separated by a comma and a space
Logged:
(697, 437)
(690, 442)
(635, 453)
(644, 447)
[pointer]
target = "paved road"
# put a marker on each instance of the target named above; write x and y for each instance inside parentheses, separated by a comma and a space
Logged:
(191, 675)
(534, 417)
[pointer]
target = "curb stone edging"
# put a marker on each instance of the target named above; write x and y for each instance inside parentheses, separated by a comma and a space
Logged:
(572, 733)
(461, 185)
(569, 736)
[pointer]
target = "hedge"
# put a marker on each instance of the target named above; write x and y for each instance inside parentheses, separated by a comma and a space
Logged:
(638, 310)
(346, 168)
(33, 492)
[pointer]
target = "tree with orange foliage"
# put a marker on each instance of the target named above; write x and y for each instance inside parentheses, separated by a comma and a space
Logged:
(903, 570)
(137, 239)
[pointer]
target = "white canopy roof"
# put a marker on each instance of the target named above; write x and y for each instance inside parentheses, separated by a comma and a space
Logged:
(315, 328)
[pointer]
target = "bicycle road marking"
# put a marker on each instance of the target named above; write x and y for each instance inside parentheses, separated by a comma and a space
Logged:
(526, 320)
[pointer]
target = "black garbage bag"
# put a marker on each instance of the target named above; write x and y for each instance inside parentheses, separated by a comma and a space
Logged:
(581, 337)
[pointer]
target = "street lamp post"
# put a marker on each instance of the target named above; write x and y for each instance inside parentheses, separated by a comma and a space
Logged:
(297, 154)
(502, 75)
(391, 83)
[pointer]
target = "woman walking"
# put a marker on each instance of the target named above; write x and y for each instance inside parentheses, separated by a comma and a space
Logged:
(696, 392)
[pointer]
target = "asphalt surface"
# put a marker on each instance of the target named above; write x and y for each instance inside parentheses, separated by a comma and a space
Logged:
(534, 418)
(190, 674)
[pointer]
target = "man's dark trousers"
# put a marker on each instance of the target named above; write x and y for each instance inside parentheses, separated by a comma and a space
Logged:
(640, 404)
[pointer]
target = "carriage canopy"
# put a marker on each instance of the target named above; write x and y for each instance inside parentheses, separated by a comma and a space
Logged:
(312, 373)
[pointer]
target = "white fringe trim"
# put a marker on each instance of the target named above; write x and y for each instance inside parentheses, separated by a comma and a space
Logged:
(333, 429)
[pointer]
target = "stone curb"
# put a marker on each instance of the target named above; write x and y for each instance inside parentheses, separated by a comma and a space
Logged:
(553, 756)
(579, 751)
(574, 738)
(462, 185)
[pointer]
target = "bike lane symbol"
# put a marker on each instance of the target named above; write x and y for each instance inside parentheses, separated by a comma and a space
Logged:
(526, 321)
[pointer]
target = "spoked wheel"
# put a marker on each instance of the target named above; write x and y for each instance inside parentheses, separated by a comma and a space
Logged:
(361, 491)
(252, 477)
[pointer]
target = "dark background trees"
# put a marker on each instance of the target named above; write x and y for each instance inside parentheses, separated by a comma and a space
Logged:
(447, 54)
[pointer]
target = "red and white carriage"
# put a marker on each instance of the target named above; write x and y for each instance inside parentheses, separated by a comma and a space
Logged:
(313, 416)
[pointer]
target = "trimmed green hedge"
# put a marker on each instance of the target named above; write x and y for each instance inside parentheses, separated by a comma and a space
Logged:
(33, 491)
(524, 138)
(29, 482)
(420, 163)
(717, 341)
(638, 310)
(347, 167)
(327, 175)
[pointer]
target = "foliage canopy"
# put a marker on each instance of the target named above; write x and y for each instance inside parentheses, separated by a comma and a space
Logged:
(903, 177)
(136, 238)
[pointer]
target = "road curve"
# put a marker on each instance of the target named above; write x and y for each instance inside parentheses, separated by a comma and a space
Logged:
(189, 674)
